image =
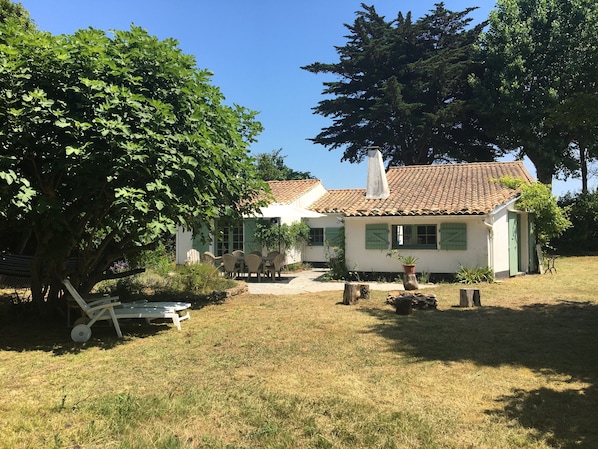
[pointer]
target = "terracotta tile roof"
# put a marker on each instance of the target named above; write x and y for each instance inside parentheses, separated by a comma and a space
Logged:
(286, 192)
(452, 189)
(337, 201)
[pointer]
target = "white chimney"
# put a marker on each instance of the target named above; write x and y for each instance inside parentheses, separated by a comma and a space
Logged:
(377, 187)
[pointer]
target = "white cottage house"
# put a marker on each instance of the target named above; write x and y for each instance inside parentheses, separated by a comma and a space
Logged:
(291, 199)
(447, 216)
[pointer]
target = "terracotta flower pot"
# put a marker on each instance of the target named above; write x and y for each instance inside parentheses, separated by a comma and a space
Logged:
(409, 268)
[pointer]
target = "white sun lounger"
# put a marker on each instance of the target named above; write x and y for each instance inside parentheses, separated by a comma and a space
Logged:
(110, 308)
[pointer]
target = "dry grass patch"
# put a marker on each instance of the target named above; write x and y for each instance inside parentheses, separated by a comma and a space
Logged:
(306, 371)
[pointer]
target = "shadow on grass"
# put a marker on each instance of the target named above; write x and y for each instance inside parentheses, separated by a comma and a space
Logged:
(22, 330)
(556, 340)
(38, 335)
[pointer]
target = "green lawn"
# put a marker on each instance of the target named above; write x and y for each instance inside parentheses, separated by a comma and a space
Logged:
(305, 371)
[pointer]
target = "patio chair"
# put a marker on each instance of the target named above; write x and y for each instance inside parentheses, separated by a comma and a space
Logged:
(208, 258)
(254, 264)
(275, 266)
(193, 257)
(231, 264)
(110, 309)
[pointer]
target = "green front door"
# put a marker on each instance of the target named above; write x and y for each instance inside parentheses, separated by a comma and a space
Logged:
(514, 238)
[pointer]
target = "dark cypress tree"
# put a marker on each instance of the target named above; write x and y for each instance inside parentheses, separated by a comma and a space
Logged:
(403, 86)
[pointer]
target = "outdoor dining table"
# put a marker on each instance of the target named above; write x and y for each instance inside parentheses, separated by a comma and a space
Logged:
(265, 259)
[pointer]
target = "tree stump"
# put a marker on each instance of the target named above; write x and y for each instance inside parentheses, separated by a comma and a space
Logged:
(355, 291)
(364, 291)
(351, 293)
(410, 281)
(404, 306)
(469, 297)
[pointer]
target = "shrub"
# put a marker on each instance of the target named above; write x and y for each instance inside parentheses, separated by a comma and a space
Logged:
(550, 219)
(187, 280)
(198, 279)
(275, 236)
(157, 260)
(474, 275)
(582, 237)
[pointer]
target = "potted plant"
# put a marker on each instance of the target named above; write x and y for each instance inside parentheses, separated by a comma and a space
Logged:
(409, 280)
(409, 264)
(407, 261)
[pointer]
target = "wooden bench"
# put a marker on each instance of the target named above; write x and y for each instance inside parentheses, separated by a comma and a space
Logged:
(15, 271)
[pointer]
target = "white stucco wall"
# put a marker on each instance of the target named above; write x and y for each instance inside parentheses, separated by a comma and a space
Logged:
(183, 243)
(430, 260)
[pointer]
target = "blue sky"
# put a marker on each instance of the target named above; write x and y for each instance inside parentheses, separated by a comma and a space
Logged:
(255, 49)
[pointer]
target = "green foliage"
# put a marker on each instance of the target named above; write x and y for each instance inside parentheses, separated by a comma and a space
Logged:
(16, 12)
(474, 275)
(199, 279)
(179, 281)
(157, 260)
(582, 237)
(550, 220)
(109, 143)
(335, 255)
(274, 236)
(271, 167)
(406, 260)
(539, 55)
(403, 86)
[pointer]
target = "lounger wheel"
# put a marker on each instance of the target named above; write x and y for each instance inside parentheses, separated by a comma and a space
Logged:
(81, 333)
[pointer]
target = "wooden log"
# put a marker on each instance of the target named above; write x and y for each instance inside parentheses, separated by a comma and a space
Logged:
(469, 297)
(351, 293)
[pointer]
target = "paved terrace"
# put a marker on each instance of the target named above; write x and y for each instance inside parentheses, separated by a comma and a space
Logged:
(309, 281)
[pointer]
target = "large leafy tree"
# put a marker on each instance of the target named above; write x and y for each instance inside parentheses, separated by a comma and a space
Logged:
(108, 142)
(403, 86)
(540, 77)
(271, 167)
(15, 11)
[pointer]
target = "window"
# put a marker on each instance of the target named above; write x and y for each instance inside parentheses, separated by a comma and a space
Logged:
(231, 239)
(316, 236)
(414, 236)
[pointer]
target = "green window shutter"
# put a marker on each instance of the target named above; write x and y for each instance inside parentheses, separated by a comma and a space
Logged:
(202, 240)
(334, 237)
(376, 236)
(453, 236)
(251, 243)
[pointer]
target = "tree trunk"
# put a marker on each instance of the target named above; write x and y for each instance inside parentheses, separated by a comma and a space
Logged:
(583, 162)
(38, 289)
